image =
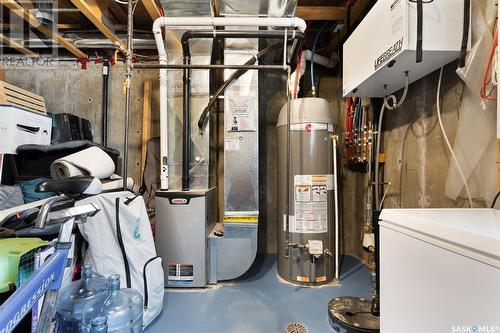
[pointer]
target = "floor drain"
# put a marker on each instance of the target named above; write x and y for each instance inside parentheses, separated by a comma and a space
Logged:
(296, 328)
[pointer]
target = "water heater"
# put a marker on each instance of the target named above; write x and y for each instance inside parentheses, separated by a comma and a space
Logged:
(305, 238)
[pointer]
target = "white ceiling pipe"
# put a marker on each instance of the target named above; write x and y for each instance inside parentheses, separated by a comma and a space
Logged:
(318, 59)
(281, 22)
(162, 22)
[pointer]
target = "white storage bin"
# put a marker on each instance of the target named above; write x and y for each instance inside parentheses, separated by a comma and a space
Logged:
(439, 270)
(19, 126)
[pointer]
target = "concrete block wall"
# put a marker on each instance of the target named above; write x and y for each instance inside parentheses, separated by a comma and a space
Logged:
(68, 88)
(417, 162)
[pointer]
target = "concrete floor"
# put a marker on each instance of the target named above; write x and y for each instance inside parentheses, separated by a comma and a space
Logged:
(258, 302)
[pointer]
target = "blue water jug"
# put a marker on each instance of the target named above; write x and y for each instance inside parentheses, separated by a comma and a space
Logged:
(122, 307)
(73, 298)
(99, 325)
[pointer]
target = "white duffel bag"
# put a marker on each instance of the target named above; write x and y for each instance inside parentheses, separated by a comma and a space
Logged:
(121, 241)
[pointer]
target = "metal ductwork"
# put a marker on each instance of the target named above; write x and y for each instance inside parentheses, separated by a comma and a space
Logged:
(271, 8)
(186, 8)
(45, 12)
(231, 246)
(262, 8)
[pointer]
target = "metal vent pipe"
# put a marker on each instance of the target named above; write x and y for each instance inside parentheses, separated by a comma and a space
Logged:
(162, 22)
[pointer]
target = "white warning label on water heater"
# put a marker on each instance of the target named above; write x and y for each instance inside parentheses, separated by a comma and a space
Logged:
(311, 203)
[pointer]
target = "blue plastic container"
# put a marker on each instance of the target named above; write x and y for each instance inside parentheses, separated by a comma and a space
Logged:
(73, 298)
(99, 325)
(122, 307)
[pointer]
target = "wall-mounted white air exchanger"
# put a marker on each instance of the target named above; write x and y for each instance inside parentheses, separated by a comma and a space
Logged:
(383, 47)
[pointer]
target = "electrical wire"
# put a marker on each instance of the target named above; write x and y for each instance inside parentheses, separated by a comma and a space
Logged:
(489, 96)
(395, 103)
(348, 125)
(297, 70)
(355, 116)
(494, 68)
(493, 203)
(445, 137)
(360, 115)
(385, 105)
(299, 58)
(347, 113)
(316, 39)
(385, 193)
(377, 153)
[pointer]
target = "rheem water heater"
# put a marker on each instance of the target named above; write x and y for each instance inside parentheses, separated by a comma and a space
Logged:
(305, 238)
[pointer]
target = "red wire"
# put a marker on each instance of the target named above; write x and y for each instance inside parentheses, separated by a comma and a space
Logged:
(348, 113)
(487, 80)
(348, 125)
(295, 92)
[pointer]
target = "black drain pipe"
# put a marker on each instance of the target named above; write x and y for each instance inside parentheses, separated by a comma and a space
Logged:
(186, 121)
(105, 81)
(375, 306)
(186, 126)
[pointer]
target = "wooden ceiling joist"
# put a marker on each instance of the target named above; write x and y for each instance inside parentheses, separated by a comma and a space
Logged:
(60, 26)
(15, 45)
(20, 11)
(26, 4)
(355, 14)
(323, 13)
(152, 8)
(91, 10)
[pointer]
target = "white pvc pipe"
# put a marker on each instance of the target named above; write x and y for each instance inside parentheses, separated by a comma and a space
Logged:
(281, 22)
(336, 192)
(318, 59)
(162, 22)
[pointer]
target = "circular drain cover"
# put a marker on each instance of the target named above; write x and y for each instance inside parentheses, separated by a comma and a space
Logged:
(352, 315)
(296, 328)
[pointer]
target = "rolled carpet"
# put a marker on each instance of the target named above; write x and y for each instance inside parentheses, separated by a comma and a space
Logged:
(92, 161)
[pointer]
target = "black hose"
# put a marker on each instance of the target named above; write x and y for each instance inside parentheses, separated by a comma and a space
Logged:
(186, 123)
(187, 80)
(202, 121)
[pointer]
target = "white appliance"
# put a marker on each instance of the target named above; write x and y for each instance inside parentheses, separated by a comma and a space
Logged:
(19, 126)
(440, 270)
(383, 46)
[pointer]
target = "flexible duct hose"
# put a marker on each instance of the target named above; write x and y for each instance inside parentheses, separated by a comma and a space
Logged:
(202, 122)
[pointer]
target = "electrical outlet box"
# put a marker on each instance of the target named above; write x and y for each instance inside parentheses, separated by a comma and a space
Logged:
(383, 46)
(315, 247)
